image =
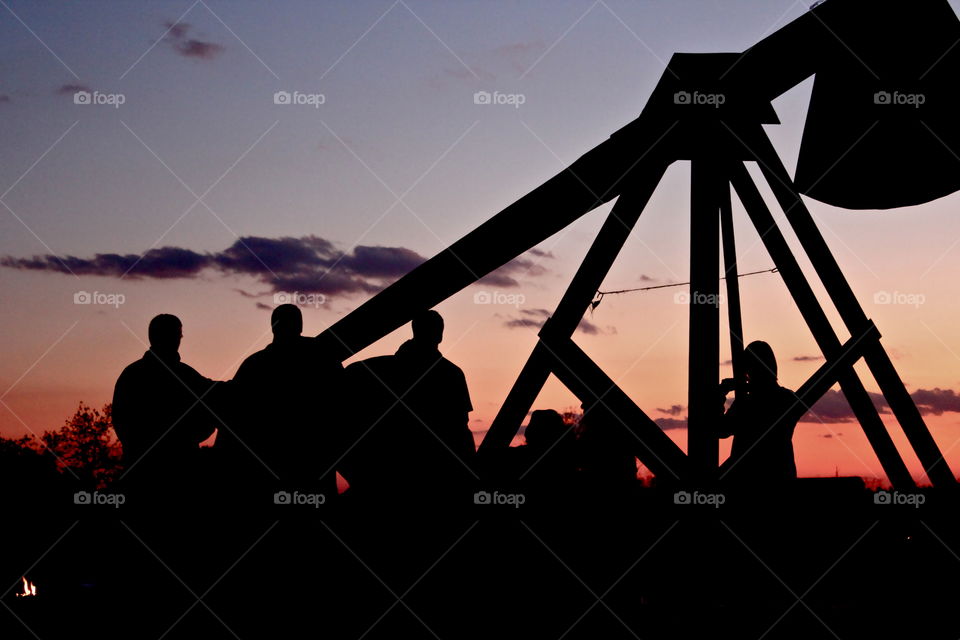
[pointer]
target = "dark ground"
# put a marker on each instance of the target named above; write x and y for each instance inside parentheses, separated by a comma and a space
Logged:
(824, 562)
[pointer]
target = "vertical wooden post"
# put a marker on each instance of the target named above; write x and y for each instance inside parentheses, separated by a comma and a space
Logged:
(704, 353)
(734, 316)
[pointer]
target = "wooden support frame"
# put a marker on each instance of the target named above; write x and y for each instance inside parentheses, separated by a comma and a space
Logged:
(601, 256)
(591, 385)
(711, 228)
(629, 165)
(842, 296)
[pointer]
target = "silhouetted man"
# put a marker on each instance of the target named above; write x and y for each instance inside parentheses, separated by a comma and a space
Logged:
(161, 411)
(287, 399)
(547, 463)
(761, 420)
(605, 448)
(411, 412)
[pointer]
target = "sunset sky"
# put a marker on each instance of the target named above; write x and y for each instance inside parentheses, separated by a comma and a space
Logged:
(201, 196)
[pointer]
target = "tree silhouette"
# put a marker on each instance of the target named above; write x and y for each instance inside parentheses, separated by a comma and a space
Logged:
(86, 446)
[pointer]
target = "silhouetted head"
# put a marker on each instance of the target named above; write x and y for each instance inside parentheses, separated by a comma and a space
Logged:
(165, 331)
(593, 410)
(428, 327)
(759, 364)
(287, 322)
(546, 427)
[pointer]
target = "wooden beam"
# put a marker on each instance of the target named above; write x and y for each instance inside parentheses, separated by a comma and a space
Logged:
(704, 411)
(734, 316)
(829, 372)
(595, 178)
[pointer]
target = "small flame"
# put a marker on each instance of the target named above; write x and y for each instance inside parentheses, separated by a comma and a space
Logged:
(29, 589)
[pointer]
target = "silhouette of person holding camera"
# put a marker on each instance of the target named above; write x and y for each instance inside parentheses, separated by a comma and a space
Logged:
(761, 420)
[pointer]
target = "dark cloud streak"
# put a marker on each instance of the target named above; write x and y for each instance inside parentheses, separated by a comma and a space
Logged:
(534, 319)
(176, 37)
(671, 423)
(70, 89)
(307, 264)
(519, 267)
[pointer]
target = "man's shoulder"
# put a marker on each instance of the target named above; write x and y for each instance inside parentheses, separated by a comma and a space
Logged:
(448, 368)
(151, 370)
(133, 367)
(372, 373)
(787, 400)
(787, 393)
(184, 369)
(136, 368)
(257, 358)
